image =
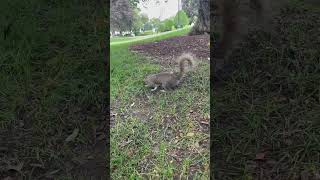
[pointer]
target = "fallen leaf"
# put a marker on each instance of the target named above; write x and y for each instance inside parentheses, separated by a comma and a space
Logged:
(17, 167)
(90, 157)
(130, 152)
(73, 136)
(196, 145)
(204, 122)
(260, 156)
(190, 134)
(101, 137)
(123, 144)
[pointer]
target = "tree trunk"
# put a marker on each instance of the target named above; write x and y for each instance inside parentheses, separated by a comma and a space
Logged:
(203, 23)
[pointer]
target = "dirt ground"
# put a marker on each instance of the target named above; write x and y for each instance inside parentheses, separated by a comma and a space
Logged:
(167, 50)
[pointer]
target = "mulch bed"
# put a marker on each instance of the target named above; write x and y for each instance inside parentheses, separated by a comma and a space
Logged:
(167, 50)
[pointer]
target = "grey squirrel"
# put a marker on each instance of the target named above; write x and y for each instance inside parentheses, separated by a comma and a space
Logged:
(170, 80)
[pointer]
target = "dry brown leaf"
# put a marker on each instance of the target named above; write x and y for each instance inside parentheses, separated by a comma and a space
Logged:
(190, 134)
(260, 156)
(123, 144)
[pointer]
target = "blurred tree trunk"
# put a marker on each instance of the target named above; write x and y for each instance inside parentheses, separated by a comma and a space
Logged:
(203, 22)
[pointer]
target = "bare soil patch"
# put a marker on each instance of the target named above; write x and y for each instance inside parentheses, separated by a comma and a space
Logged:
(165, 51)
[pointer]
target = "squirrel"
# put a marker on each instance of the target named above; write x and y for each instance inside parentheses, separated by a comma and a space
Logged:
(170, 80)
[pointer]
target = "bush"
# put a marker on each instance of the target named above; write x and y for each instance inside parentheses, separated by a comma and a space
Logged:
(181, 19)
(147, 26)
(161, 28)
(145, 33)
(166, 25)
(137, 33)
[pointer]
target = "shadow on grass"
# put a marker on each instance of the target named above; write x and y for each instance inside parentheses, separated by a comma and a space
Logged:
(266, 120)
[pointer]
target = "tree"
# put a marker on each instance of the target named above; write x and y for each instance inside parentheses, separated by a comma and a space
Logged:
(168, 24)
(202, 24)
(134, 3)
(144, 18)
(191, 8)
(122, 15)
(155, 23)
(147, 26)
(137, 22)
(181, 19)
(161, 27)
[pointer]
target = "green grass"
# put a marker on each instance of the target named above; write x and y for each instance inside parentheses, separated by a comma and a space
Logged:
(125, 64)
(146, 145)
(271, 104)
(121, 39)
(149, 38)
(52, 79)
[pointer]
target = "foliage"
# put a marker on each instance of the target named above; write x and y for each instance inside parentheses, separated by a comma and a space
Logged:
(166, 25)
(134, 3)
(145, 22)
(181, 19)
(161, 27)
(137, 22)
(191, 9)
(155, 23)
(122, 15)
(147, 26)
(145, 33)
(141, 22)
(144, 18)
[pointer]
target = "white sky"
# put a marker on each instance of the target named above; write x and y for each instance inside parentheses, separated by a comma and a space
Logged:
(161, 10)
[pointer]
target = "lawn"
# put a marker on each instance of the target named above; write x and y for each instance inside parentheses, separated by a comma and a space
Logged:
(157, 135)
(51, 75)
(266, 123)
(153, 37)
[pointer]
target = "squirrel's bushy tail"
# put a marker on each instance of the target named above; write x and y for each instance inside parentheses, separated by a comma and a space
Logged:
(185, 57)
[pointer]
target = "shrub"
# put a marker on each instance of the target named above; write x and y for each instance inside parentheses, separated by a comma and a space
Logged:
(181, 19)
